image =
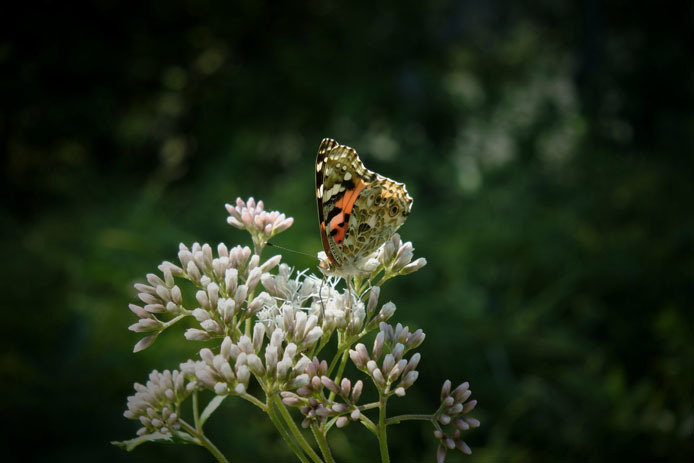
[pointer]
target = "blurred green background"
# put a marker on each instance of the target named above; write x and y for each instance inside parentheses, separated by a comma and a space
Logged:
(548, 146)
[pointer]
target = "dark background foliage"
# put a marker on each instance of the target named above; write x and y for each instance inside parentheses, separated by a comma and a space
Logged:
(548, 147)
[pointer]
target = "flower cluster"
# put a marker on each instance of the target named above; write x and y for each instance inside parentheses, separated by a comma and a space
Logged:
(265, 323)
(453, 407)
(155, 402)
(391, 345)
(393, 258)
(262, 225)
(160, 297)
(396, 257)
(226, 292)
(316, 407)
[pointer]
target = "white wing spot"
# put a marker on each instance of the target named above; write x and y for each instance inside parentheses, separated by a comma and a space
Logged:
(332, 192)
(348, 176)
(319, 166)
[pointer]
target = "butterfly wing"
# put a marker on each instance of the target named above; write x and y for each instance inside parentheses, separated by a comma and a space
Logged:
(358, 210)
(324, 150)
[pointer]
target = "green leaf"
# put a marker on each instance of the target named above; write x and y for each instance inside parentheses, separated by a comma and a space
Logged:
(179, 438)
(211, 407)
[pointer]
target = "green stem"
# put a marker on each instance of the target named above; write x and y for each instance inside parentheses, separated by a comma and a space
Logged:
(276, 420)
(386, 276)
(174, 320)
(368, 424)
(196, 414)
(249, 299)
(322, 444)
(203, 441)
(399, 418)
(258, 403)
(333, 362)
(340, 370)
(382, 437)
(294, 429)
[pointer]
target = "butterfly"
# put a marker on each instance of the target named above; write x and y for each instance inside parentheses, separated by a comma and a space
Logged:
(358, 210)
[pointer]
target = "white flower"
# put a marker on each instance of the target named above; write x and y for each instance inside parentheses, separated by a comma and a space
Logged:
(153, 403)
(262, 225)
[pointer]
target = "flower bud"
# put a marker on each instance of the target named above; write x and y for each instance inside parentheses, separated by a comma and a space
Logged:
(240, 296)
(211, 326)
(378, 378)
(409, 378)
(398, 350)
(339, 407)
(345, 387)
(404, 256)
(139, 311)
(271, 263)
(256, 365)
(445, 389)
(221, 389)
(463, 447)
(441, 454)
(356, 391)
(193, 334)
(388, 363)
(373, 299)
(207, 356)
(258, 336)
(176, 296)
(378, 344)
(144, 343)
(413, 266)
(414, 340)
(300, 381)
(472, 422)
(231, 277)
(144, 325)
(461, 424)
(201, 314)
(465, 395)
(253, 278)
(330, 384)
(386, 312)
(148, 298)
(469, 406)
(193, 272)
(455, 409)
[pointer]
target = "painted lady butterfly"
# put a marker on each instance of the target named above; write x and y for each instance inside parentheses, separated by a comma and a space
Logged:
(358, 210)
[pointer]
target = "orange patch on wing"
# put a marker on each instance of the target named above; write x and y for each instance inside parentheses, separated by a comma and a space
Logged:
(338, 224)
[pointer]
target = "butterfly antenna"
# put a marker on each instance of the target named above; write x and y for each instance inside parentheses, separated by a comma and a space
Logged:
(290, 250)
